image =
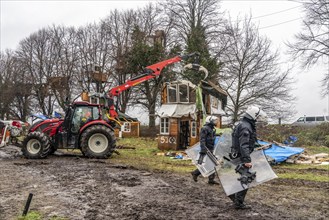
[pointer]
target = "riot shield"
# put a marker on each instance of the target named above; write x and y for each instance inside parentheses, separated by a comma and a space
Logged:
(209, 162)
(221, 163)
(227, 174)
(229, 177)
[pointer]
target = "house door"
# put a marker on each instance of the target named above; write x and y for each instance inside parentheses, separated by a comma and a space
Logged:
(184, 134)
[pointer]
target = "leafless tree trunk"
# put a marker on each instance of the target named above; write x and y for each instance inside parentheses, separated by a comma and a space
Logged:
(250, 72)
(312, 43)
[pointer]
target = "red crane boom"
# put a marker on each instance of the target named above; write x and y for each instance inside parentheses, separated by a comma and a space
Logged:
(150, 72)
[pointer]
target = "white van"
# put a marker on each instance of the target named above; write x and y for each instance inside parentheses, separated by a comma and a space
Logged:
(311, 120)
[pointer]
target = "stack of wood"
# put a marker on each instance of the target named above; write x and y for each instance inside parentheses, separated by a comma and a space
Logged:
(304, 158)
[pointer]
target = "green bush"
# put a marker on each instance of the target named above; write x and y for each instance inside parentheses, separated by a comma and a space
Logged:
(308, 136)
(326, 143)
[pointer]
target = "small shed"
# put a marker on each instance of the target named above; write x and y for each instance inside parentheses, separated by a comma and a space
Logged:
(130, 126)
(183, 109)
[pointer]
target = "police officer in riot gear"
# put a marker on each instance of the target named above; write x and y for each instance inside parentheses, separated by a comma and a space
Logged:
(207, 142)
(244, 138)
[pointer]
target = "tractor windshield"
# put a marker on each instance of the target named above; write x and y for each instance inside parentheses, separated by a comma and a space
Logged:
(83, 115)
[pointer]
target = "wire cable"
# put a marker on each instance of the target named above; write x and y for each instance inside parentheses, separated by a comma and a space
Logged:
(273, 25)
(276, 12)
(266, 15)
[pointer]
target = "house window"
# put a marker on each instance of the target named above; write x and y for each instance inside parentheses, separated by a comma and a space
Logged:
(164, 126)
(172, 93)
(126, 127)
(193, 129)
(183, 93)
(214, 102)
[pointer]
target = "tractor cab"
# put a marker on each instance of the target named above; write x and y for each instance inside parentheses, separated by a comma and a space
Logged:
(82, 114)
(76, 118)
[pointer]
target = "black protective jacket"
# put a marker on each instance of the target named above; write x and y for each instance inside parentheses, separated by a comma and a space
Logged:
(244, 138)
(207, 137)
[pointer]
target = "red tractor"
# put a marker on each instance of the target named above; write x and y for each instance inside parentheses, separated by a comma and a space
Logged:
(86, 126)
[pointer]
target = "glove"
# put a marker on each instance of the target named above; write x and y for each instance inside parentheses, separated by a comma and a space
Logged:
(201, 157)
(203, 151)
(257, 145)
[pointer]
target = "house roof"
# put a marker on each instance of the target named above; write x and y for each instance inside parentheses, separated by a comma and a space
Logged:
(214, 90)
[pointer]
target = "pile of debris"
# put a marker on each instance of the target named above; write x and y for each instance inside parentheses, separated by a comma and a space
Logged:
(304, 158)
(277, 153)
(174, 155)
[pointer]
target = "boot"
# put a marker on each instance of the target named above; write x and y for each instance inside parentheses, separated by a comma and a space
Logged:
(241, 206)
(213, 182)
(194, 177)
(232, 197)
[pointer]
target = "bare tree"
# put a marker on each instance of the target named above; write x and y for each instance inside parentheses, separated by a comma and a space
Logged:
(93, 42)
(120, 25)
(35, 54)
(65, 57)
(6, 82)
(16, 90)
(312, 43)
(186, 15)
(250, 72)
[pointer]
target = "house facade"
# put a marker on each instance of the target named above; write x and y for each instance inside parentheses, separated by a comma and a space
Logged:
(184, 107)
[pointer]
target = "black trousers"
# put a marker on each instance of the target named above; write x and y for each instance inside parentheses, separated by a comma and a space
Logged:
(238, 198)
(197, 173)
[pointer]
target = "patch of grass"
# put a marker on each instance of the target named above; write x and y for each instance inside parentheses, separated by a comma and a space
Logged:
(317, 149)
(304, 176)
(33, 215)
(303, 166)
(144, 156)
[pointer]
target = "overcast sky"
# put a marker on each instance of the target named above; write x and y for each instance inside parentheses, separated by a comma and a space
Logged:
(278, 20)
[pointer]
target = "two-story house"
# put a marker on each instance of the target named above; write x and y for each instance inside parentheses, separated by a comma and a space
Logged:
(184, 107)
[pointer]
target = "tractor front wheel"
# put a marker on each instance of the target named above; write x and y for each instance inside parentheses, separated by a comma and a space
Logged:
(36, 145)
(97, 141)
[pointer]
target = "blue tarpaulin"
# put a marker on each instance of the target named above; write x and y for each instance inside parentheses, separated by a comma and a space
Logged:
(280, 153)
(40, 116)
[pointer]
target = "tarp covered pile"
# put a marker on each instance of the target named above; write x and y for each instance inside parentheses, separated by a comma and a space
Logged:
(279, 153)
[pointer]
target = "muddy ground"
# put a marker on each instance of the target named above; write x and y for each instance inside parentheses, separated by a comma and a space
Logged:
(74, 187)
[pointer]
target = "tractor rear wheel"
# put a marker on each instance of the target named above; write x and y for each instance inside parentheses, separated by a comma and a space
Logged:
(97, 141)
(36, 145)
